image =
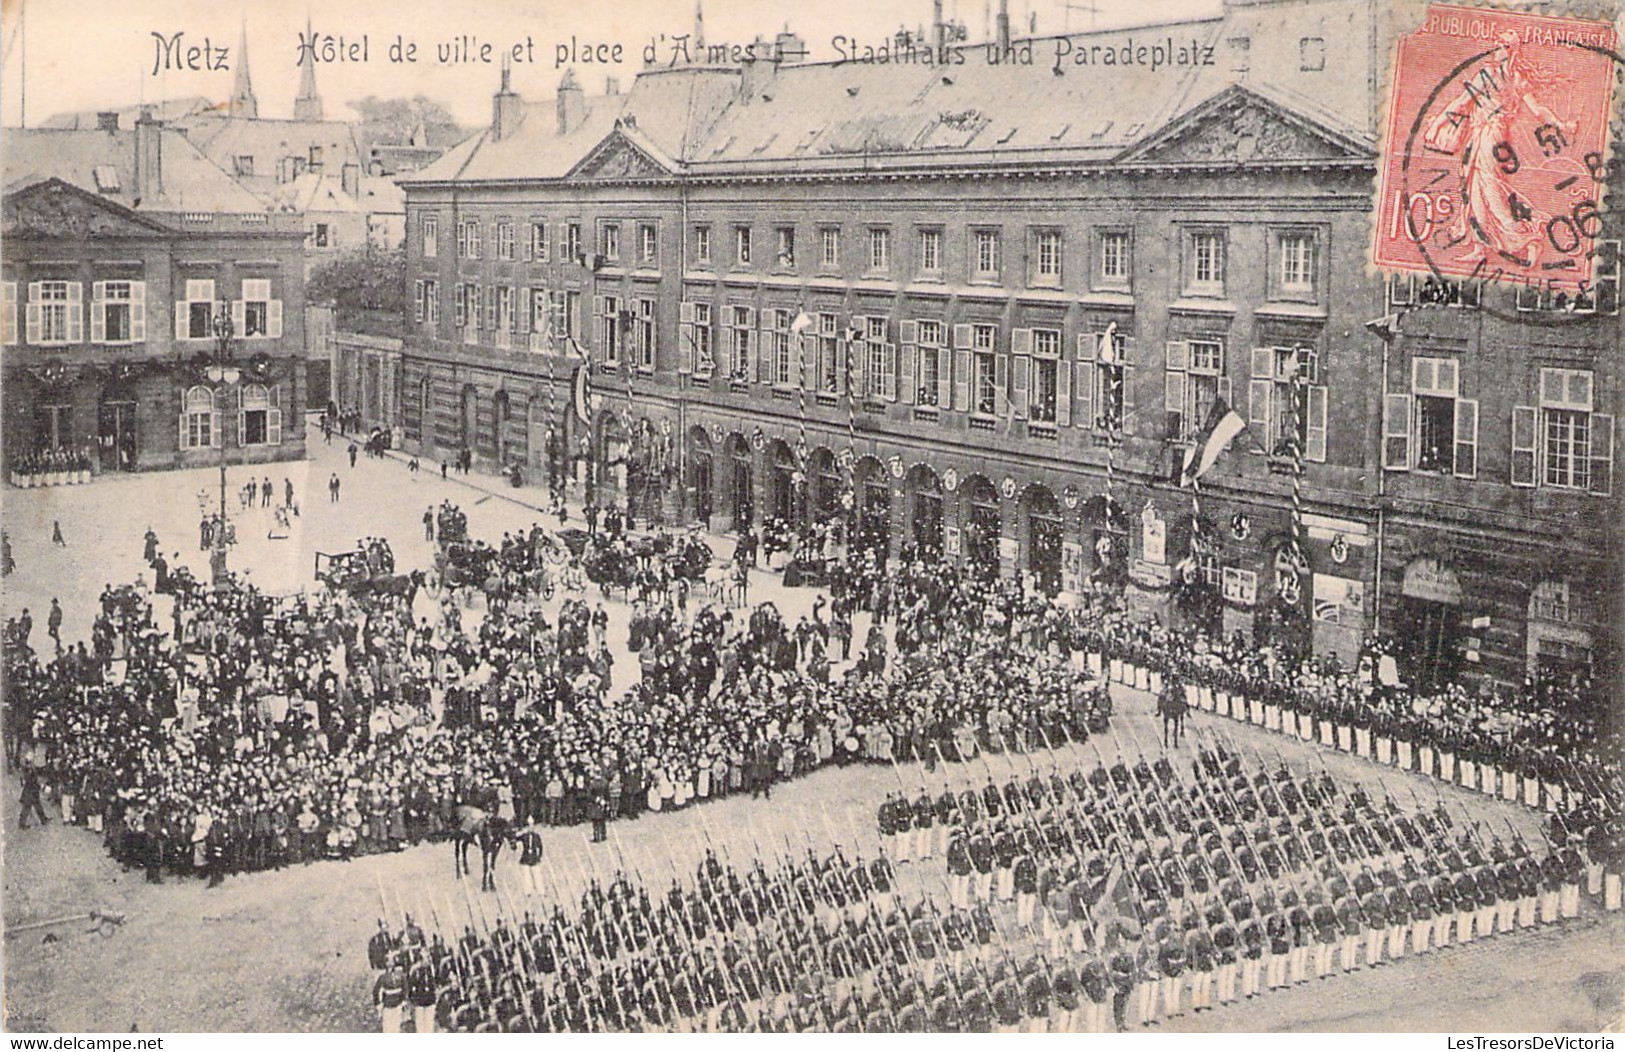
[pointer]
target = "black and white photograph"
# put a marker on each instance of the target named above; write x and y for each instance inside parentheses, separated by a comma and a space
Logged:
(720, 516)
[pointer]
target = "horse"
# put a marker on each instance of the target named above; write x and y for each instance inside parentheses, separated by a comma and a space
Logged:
(474, 825)
(1171, 707)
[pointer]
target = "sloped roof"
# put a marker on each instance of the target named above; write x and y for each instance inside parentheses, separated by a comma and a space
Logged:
(191, 182)
(224, 139)
(166, 110)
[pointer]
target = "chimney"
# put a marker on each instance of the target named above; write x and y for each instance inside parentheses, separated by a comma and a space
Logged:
(149, 155)
(939, 31)
(350, 179)
(789, 48)
(757, 71)
(1004, 26)
(507, 108)
(107, 121)
(571, 103)
(612, 85)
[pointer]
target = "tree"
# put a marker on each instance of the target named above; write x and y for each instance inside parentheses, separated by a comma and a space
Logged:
(365, 287)
(393, 121)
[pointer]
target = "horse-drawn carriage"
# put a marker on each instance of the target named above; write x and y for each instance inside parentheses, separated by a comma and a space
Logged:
(362, 571)
(465, 564)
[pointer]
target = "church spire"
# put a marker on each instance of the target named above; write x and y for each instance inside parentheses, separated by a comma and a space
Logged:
(242, 102)
(307, 106)
(699, 27)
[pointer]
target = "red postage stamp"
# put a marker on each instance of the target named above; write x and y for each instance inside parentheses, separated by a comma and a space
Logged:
(1495, 150)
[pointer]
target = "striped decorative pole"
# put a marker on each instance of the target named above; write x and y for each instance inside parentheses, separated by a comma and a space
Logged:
(1299, 415)
(851, 474)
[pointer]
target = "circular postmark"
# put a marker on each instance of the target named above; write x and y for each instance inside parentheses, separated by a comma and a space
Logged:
(1504, 168)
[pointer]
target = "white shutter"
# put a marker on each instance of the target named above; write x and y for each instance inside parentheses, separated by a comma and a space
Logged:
(239, 318)
(1173, 403)
(1021, 349)
(1525, 437)
(1466, 438)
(1130, 354)
(767, 351)
(860, 347)
(1602, 453)
(685, 336)
(32, 313)
(807, 350)
(1396, 432)
(842, 353)
(945, 377)
(273, 427)
(911, 364)
(215, 437)
(1259, 390)
(888, 370)
(98, 316)
(599, 326)
(1314, 440)
(274, 325)
(180, 430)
(1063, 392)
(752, 345)
(1001, 380)
(1179, 355)
(417, 301)
(76, 316)
(138, 311)
(963, 336)
(1083, 386)
(181, 318)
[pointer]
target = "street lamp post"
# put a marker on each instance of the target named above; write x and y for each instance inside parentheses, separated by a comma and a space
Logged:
(223, 375)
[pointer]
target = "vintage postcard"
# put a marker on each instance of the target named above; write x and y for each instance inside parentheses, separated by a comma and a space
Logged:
(1019, 516)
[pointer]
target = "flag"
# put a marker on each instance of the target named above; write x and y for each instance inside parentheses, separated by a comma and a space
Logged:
(802, 323)
(1222, 427)
(581, 384)
(1111, 899)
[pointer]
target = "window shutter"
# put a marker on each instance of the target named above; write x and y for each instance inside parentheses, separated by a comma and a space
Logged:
(1466, 438)
(138, 311)
(859, 347)
(767, 353)
(1001, 379)
(239, 319)
(600, 331)
(1063, 392)
(1258, 394)
(1314, 441)
(1083, 386)
(180, 430)
(522, 299)
(76, 316)
(962, 337)
(842, 353)
(751, 348)
(961, 373)
(182, 332)
(908, 332)
(807, 348)
(1602, 453)
(1021, 349)
(888, 371)
(491, 307)
(1173, 403)
(1524, 436)
(945, 377)
(685, 337)
(242, 420)
(1130, 354)
(1179, 355)
(98, 316)
(1396, 432)
(911, 364)
(1225, 393)
(215, 437)
(417, 300)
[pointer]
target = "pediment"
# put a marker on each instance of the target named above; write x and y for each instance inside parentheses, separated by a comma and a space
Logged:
(56, 209)
(1239, 127)
(619, 156)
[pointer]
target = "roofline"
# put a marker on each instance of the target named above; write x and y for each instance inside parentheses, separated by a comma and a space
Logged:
(122, 211)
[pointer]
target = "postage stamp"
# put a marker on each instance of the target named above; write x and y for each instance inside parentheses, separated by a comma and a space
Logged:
(1495, 149)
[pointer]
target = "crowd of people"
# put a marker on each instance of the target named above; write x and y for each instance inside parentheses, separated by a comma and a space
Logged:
(1080, 900)
(52, 466)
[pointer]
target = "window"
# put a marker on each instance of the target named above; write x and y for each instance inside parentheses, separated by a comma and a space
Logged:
(742, 245)
(829, 247)
(1431, 427)
(1287, 405)
(506, 319)
(1044, 388)
(695, 332)
(879, 359)
(468, 239)
(879, 249)
(564, 326)
(776, 362)
(118, 312)
(541, 321)
(320, 236)
(608, 311)
(929, 364)
(8, 313)
(1295, 272)
(426, 301)
(1205, 272)
(648, 244)
(257, 315)
(989, 389)
(1550, 602)
(830, 378)
(985, 254)
(1194, 381)
(609, 241)
(194, 316)
(1046, 259)
(931, 252)
(243, 164)
(572, 241)
(1574, 445)
(740, 323)
(1115, 260)
(1601, 296)
(643, 334)
(431, 236)
(786, 237)
(199, 423)
(54, 313)
(315, 157)
(538, 240)
(1311, 54)
(505, 240)
(702, 245)
(259, 421)
(1413, 290)
(1107, 359)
